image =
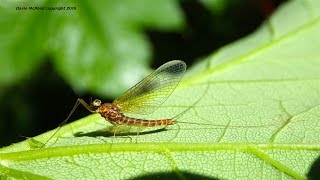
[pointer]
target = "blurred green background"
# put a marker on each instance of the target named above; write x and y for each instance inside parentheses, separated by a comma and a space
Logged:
(50, 58)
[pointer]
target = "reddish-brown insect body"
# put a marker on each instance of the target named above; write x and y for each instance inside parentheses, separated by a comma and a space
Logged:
(112, 113)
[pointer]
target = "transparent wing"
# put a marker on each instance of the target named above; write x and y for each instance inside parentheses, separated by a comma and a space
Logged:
(150, 93)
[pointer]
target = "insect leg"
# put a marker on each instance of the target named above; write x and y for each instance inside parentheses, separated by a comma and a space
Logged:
(66, 120)
(86, 105)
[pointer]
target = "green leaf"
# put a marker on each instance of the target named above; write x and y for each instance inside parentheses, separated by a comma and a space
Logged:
(102, 42)
(91, 46)
(260, 96)
(21, 44)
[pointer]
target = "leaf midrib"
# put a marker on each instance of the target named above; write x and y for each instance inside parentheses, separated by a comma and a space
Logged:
(151, 147)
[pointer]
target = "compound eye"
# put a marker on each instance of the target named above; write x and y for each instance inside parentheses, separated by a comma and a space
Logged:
(96, 102)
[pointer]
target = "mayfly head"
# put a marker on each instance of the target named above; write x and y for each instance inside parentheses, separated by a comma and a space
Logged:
(95, 104)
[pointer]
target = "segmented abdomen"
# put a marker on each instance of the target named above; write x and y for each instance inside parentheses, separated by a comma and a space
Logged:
(144, 123)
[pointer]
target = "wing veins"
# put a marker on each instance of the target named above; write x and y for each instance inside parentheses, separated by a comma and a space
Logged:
(151, 92)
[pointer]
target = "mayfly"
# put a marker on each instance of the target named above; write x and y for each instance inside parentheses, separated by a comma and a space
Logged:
(143, 98)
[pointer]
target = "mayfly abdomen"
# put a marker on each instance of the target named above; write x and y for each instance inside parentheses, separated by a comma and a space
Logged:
(144, 123)
(111, 112)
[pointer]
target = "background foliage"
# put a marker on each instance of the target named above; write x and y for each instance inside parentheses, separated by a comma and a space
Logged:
(48, 59)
